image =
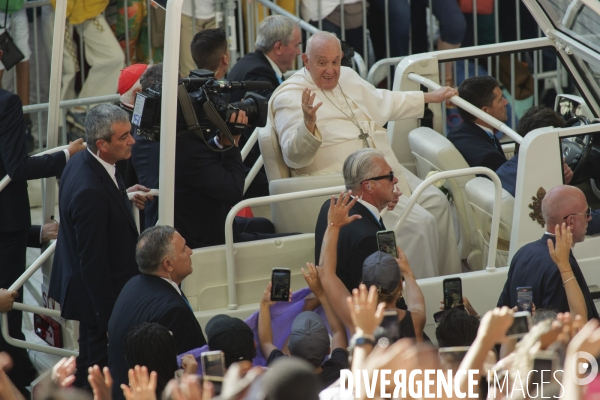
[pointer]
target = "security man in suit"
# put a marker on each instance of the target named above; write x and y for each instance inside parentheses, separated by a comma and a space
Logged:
(154, 296)
(277, 45)
(95, 250)
(368, 175)
(474, 138)
(15, 228)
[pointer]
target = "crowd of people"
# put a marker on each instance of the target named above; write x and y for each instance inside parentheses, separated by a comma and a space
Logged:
(137, 329)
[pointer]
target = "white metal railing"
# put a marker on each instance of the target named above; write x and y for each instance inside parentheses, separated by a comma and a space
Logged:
(34, 309)
(482, 115)
(491, 263)
(134, 210)
(259, 201)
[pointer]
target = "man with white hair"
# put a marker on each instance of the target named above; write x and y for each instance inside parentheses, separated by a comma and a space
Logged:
(325, 112)
(277, 46)
(534, 265)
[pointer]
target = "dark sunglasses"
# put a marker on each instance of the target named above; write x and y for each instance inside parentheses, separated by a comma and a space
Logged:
(389, 176)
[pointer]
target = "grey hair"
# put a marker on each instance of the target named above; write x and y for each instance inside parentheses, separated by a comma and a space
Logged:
(99, 122)
(153, 246)
(322, 36)
(360, 166)
(273, 29)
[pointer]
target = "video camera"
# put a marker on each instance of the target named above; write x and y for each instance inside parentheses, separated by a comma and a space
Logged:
(201, 106)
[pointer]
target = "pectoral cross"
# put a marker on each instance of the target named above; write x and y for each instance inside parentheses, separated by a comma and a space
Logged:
(364, 137)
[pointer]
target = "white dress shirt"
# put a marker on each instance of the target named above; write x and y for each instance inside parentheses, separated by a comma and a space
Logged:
(108, 167)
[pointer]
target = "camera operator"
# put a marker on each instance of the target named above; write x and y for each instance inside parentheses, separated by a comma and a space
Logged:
(208, 182)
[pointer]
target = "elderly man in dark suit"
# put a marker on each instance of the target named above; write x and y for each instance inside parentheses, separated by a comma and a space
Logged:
(95, 250)
(368, 175)
(474, 138)
(16, 233)
(533, 265)
(154, 296)
(277, 46)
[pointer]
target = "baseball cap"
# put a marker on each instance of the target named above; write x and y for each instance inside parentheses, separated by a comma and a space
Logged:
(129, 76)
(309, 338)
(232, 336)
(381, 269)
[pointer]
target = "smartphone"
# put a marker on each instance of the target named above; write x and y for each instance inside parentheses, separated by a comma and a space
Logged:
(521, 324)
(386, 242)
(452, 293)
(391, 325)
(524, 298)
(544, 364)
(213, 364)
(280, 284)
(454, 354)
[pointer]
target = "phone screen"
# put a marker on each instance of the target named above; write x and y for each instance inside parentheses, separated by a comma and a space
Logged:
(280, 284)
(391, 325)
(524, 298)
(213, 363)
(386, 242)
(543, 369)
(452, 293)
(521, 325)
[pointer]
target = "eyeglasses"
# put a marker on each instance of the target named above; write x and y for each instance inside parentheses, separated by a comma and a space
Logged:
(389, 176)
(587, 214)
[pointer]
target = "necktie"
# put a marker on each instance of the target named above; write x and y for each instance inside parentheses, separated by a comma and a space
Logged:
(280, 79)
(186, 301)
(381, 223)
(121, 186)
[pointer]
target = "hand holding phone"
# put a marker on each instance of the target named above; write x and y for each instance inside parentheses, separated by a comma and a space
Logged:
(452, 293)
(391, 325)
(386, 242)
(213, 364)
(280, 284)
(524, 298)
(521, 324)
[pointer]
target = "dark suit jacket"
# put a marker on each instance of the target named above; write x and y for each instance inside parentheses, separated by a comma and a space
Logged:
(594, 225)
(253, 67)
(148, 298)
(95, 250)
(533, 266)
(476, 146)
(357, 241)
(207, 185)
(14, 162)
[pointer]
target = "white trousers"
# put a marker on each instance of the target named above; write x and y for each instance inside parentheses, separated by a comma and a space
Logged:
(427, 237)
(102, 52)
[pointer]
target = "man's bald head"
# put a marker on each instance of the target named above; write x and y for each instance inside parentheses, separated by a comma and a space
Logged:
(566, 204)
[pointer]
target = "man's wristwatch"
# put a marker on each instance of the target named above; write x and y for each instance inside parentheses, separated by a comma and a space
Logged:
(361, 340)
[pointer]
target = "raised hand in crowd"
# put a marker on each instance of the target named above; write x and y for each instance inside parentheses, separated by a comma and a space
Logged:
(101, 382)
(188, 387)
(310, 110)
(7, 299)
(140, 199)
(560, 253)
(492, 330)
(8, 391)
(142, 385)
(76, 146)
(63, 372)
(189, 364)
(586, 340)
(265, 333)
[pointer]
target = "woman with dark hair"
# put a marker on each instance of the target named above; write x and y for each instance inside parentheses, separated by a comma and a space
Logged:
(379, 269)
(152, 345)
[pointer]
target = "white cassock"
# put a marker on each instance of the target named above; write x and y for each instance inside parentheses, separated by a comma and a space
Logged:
(427, 237)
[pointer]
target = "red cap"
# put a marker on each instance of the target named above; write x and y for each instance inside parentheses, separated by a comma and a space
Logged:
(129, 76)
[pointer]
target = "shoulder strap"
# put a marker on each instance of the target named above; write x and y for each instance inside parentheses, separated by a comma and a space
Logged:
(192, 122)
(5, 16)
